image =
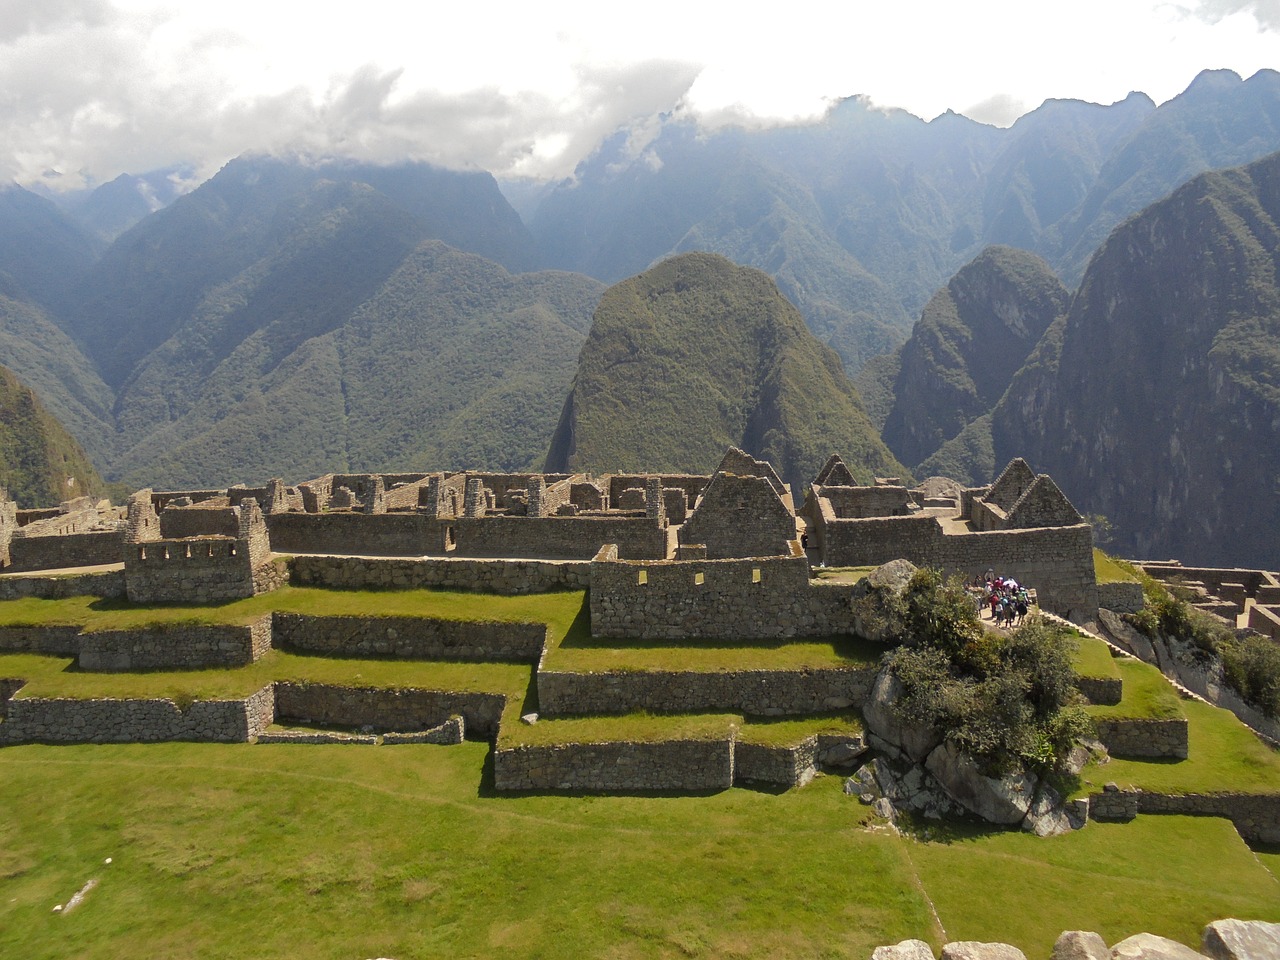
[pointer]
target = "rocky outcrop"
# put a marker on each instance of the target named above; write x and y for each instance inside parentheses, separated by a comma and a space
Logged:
(1240, 940)
(1221, 940)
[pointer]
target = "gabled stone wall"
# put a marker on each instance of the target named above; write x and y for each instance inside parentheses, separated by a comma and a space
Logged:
(740, 516)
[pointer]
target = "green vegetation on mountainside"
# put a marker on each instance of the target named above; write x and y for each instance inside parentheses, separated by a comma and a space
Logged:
(699, 354)
(1155, 403)
(449, 361)
(40, 464)
(972, 337)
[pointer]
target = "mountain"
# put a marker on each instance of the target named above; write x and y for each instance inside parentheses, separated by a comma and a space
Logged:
(972, 337)
(40, 464)
(862, 216)
(152, 280)
(448, 361)
(698, 354)
(112, 208)
(44, 254)
(1156, 400)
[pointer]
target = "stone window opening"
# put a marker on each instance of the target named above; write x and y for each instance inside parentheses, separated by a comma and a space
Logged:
(699, 579)
(642, 578)
(755, 574)
(232, 551)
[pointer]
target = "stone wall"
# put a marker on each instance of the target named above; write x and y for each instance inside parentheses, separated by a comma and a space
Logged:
(198, 521)
(375, 535)
(54, 641)
(65, 550)
(65, 720)
(768, 597)
(387, 709)
(1121, 597)
(109, 584)
(740, 516)
(486, 576)
(692, 484)
(616, 767)
(411, 638)
(1056, 561)
(180, 646)
(205, 570)
(568, 538)
(781, 766)
(1265, 620)
(1104, 691)
(753, 692)
(860, 502)
(1256, 816)
(1140, 737)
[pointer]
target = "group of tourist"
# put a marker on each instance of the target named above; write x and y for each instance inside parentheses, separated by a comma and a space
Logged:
(1008, 600)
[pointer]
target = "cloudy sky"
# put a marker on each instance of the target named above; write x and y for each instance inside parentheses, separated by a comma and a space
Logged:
(93, 88)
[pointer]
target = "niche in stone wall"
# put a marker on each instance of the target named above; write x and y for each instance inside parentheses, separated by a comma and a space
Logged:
(755, 574)
(642, 578)
(699, 579)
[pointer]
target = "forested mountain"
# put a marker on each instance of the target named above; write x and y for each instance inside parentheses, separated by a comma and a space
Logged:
(698, 354)
(450, 361)
(973, 336)
(40, 464)
(43, 252)
(862, 217)
(1156, 401)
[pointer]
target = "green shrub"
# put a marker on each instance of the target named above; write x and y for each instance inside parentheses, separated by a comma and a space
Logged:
(1251, 666)
(1005, 701)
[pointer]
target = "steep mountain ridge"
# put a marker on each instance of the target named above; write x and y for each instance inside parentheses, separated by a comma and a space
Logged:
(1157, 400)
(971, 339)
(40, 464)
(698, 354)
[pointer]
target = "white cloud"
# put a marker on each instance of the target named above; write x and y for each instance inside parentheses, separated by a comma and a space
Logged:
(93, 88)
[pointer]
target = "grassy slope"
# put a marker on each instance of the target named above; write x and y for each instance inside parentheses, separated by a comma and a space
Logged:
(40, 463)
(392, 851)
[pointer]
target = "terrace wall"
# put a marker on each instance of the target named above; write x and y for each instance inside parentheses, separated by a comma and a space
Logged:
(418, 638)
(175, 647)
(1256, 816)
(616, 767)
(778, 765)
(1141, 737)
(65, 550)
(67, 720)
(387, 709)
(756, 692)
(109, 584)
(760, 598)
(486, 576)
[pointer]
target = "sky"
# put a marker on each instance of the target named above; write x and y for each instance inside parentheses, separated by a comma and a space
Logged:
(90, 89)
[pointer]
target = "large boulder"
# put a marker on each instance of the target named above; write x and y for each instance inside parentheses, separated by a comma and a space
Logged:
(1005, 799)
(912, 740)
(1241, 940)
(977, 950)
(906, 950)
(1080, 945)
(1047, 816)
(1147, 946)
(871, 595)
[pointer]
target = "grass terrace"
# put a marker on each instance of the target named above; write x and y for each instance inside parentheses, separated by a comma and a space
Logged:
(1093, 659)
(1107, 569)
(1147, 694)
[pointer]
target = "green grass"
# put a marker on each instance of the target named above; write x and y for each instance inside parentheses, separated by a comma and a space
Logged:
(842, 574)
(1093, 659)
(1108, 569)
(645, 727)
(1161, 875)
(1223, 755)
(330, 852)
(590, 655)
(57, 677)
(557, 610)
(1147, 694)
